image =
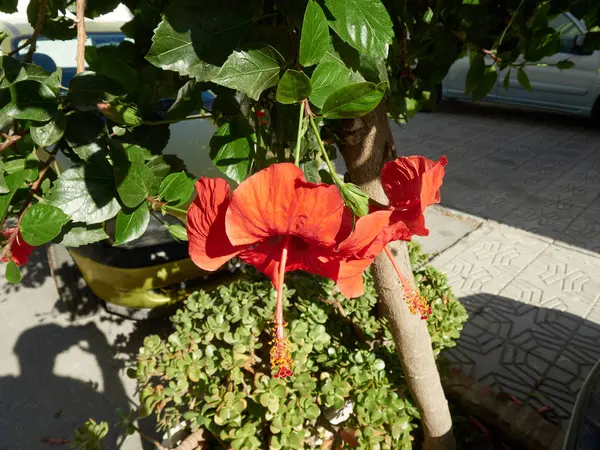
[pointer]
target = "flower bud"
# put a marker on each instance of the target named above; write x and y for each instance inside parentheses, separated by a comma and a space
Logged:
(355, 199)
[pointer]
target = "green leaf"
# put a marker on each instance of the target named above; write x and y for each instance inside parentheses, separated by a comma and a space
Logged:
(131, 224)
(9, 6)
(85, 133)
(195, 38)
(506, 82)
(134, 181)
(95, 8)
(55, 25)
(315, 39)
(41, 223)
(251, 71)
(311, 171)
(4, 189)
(476, 72)
(328, 77)
(29, 100)
(470, 2)
(178, 232)
(82, 235)
(565, 64)
(122, 113)
(354, 100)
(13, 71)
(177, 187)
(523, 79)
(293, 87)
(189, 99)
(107, 61)
(13, 274)
(364, 24)
(49, 133)
(89, 88)
(487, 83)
(14, 181)
(87, 192)
(232, 149)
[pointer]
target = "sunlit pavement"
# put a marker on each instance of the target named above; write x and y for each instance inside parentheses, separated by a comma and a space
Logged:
(520, 243)
(529, 271)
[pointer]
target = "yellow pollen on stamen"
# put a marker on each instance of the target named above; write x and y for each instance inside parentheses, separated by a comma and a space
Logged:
(281, 353)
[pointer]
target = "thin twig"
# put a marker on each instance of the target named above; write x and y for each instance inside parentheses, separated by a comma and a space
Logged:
(81, 35)
(160, 204)
(169, 121)
(39, 24)
(34, 187)
(9, 140)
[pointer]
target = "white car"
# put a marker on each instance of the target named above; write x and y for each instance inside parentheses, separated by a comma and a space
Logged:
(575, 90)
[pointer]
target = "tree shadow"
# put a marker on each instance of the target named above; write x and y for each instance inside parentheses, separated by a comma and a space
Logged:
(539, 355)
(40, 403)
(533, 170)
(34, 273)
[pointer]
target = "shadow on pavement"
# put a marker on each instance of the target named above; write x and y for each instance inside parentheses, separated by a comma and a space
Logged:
(39, 403)
(34, 273)
(533, 170)
(541, 356)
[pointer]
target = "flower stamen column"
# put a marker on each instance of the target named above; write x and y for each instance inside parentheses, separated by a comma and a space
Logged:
(416, 303)
(281, 350)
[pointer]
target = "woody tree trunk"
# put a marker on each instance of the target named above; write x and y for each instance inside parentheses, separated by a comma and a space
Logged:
(367, 143)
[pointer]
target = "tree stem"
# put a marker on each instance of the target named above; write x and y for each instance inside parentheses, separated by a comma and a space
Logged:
(366, 144)
(39, 24)
(81, 35)
(169, 121)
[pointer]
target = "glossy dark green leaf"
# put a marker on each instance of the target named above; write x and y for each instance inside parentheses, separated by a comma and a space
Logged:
(161, 166)
(476, 72)
(49, 133)
(85, 133)
(95, 8)
(195, 38)
(14, 181)
(364, 24)
(9, 6)
(251, 71)
(488, 82)
(107, 61)
(354, 100)
(87, 192)
(89, 88)
(82, 235)
(178, 232)
(189, 99)
(131, 224)
(29, 100)
(13, 71)
(232, 149)
(152, 138)
(41, 223)
(13, 273)
(56, 25)
(328, 77)
(293, 87)
(523, 79)
(177, 187)
(315, 39)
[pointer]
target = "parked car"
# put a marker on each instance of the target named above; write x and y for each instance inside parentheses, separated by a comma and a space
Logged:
(575, 90)
(155, 269)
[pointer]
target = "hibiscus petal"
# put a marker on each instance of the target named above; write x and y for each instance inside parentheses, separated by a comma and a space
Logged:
(350, 277)
(20, 250)
(413, 182)
(366, 230)
(278, 201)
(209, 246)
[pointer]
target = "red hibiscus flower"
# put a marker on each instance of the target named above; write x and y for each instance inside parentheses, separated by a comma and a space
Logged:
(19, 250)
(276, 221)
(412, 184)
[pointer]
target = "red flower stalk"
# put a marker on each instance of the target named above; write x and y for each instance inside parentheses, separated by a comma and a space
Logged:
(19, 249)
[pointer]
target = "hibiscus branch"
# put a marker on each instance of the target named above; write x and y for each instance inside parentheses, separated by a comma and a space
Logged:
(9, 140)
(332, 171)
(81, 35)
(299, 138)
(34, 187)
(161, 205)
(36, 33)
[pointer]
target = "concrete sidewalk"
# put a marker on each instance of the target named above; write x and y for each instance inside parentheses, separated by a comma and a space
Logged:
(534, 309)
